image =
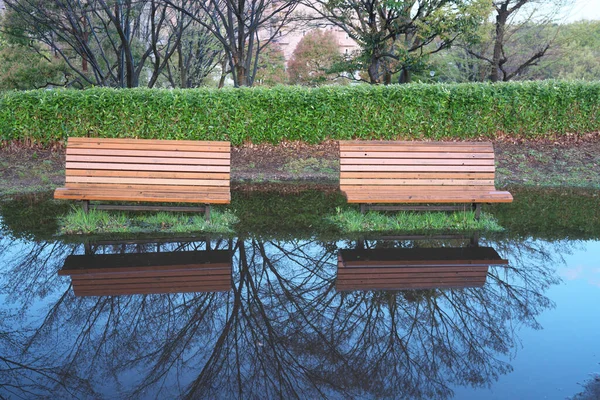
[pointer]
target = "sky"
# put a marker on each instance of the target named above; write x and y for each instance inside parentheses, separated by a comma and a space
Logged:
(583, 9)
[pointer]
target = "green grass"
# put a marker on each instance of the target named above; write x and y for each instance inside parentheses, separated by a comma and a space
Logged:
(100, 221)
(351, 220)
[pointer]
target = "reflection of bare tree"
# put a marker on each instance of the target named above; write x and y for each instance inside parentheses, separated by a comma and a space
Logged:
(283, 331)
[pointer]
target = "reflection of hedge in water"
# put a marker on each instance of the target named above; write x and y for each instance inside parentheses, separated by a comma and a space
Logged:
(551, 213)
(283, 331)
(290, 215)
(543, 213)
(31, 216)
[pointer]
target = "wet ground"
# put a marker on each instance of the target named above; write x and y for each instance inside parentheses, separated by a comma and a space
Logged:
(571, 163)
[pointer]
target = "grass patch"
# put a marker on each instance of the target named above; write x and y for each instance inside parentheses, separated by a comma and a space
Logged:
(351, 220)
(100, 221)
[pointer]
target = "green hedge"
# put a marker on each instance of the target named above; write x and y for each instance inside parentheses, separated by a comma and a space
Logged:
(415, 111)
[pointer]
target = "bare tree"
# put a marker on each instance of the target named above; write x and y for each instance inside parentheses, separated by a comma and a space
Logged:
(281, 331)
(243, 27)
(512, 20)
(198, 55)
(106, 42)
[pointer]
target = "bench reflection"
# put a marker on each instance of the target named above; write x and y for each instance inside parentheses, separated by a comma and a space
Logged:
(415, 268)
(135, 270)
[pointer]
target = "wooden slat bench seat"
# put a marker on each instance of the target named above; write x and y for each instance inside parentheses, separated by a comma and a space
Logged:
(414, 268)
(142, 170)
(149, 273)
(374, 172)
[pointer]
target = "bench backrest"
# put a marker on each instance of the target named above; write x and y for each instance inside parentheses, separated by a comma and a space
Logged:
(138, 163)
(374, 163)
(415, 268)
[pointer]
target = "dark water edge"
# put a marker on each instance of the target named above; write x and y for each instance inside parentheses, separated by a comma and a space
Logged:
(543, 213)
(285, 327)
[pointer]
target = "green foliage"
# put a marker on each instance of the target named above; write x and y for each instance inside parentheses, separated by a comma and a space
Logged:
(398, 36)
(313, 57)
(271, 67)
(576, 53)
(24, 65)
(351, 220)
(258, 115)
(98, 222)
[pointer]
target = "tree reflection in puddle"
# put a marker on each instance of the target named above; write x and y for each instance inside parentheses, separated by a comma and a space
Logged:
(282, 330)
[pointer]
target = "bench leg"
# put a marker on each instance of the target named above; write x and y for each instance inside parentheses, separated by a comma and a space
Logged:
(363, 208)
(85, 204)
(477, 209)
(207, 212)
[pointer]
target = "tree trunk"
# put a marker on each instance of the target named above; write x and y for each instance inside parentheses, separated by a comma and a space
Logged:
(498, 59)
(373, 70)
(182, 67)
(405, 76)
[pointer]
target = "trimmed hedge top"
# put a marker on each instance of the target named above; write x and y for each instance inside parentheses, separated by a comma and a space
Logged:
(414, 111)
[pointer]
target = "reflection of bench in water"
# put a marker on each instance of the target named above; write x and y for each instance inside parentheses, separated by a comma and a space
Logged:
(414, 268)
(148, 273)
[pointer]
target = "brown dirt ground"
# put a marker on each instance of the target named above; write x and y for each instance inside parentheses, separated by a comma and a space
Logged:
(572, 161)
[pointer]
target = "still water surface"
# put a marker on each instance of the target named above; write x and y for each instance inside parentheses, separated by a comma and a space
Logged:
(261, 317)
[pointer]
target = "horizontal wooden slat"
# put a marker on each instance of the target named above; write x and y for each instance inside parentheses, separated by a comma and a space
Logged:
(416, 268)
(408, 190)
(148, 167)
(146, 290)
(413, 154)
(147, 272)
(153, 147)
(417, 175)
(350, 276)
(147, 160)
(149, 144)
(417, 147)
(406, 286)
(149, 174)
(147, 153)
(142, 188)
(433, 198)
(410, 142)
(416, 168)
(73, 140)
(148, 181)
(409, 280)
(189, 279)
(124, 195)
(410, 161)
(417, 182)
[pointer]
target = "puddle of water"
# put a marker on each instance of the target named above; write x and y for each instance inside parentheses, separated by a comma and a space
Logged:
(474, 315)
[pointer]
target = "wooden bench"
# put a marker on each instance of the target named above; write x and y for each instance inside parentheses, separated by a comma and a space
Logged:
(142, 170)
(418, 172)
(149, 273)
(414, 268)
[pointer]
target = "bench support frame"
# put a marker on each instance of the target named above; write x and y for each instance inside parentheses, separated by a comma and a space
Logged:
(364, 207)
(85, 204)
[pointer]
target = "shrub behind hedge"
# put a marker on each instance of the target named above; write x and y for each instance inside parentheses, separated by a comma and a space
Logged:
(415, 111)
